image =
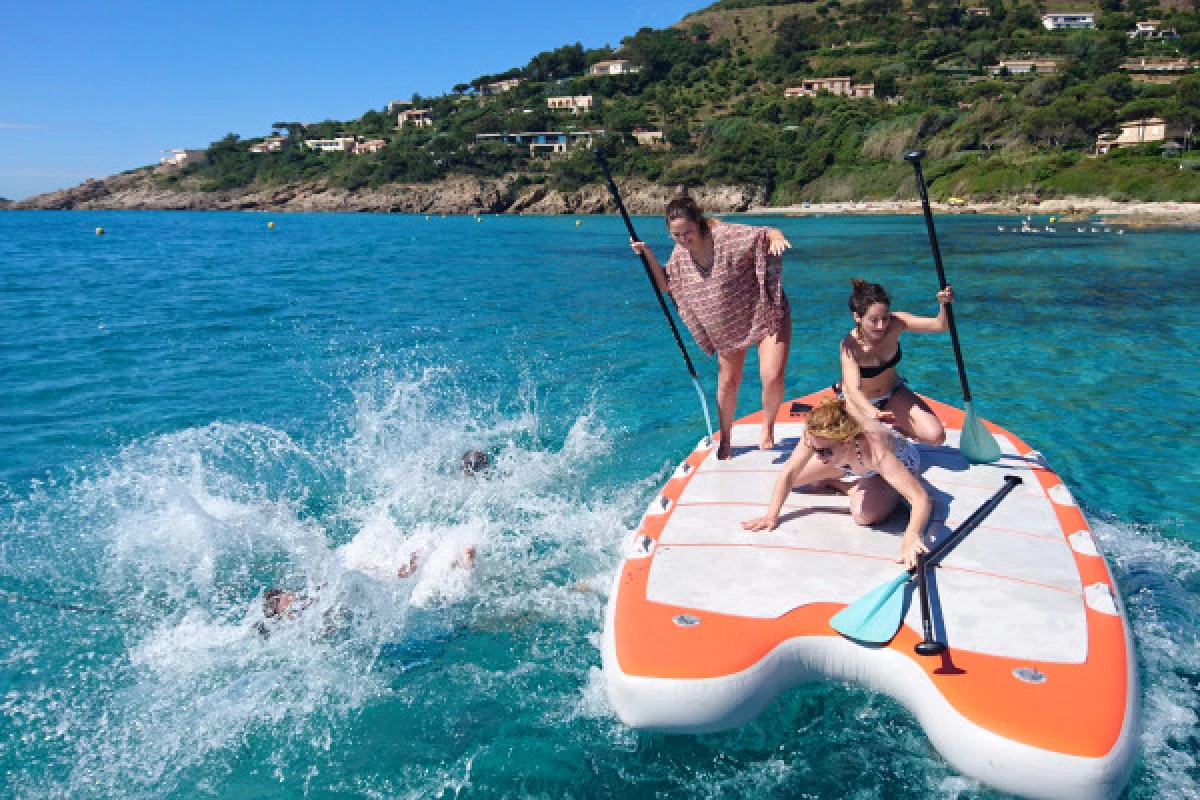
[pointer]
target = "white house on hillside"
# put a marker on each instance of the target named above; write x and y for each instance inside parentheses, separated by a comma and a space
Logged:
(1065, 20)
(181, 158)
(552, 142)
(619, 66)
(420, 117)
(844, 87)
(1024, 66)
(572, 103)
(271, 144)
(505, 85)
(1138, 131)
(339, 144)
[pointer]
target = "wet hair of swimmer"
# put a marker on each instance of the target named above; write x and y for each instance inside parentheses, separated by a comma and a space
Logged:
(684, 207)
(831, 420)
(474, 462)
(863, 295)
(273, 599)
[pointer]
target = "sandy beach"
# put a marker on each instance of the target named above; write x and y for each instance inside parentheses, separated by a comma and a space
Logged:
(1065, 208)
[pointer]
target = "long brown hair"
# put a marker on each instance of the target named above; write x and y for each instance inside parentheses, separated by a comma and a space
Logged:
(684, 207)
(863, 295)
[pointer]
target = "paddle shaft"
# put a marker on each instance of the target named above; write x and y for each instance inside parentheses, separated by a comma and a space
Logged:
(914, 158)
(929, 645)
(662, 302)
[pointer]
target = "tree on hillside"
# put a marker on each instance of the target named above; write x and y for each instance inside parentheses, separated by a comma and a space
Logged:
(794, 34)
(657, 52)
(552, 65)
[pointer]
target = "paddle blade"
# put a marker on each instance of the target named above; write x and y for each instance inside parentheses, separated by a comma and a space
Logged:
(977, 444)
(876, 616)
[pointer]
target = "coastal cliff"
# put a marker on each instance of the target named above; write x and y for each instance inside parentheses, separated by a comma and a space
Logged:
(454, 195)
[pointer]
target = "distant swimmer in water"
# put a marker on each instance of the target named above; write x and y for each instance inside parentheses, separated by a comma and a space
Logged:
(873, 389)
(727, 282)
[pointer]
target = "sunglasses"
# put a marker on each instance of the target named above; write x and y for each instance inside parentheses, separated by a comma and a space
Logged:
(820, 452)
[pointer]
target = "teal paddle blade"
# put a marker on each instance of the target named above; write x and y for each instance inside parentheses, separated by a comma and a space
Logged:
(876, 616)
(978, 444)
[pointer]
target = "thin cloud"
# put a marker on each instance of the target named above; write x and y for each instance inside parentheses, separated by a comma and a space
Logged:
(20, 126)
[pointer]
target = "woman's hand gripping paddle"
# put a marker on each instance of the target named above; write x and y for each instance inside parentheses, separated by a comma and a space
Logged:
(875, 617)
(976, 443)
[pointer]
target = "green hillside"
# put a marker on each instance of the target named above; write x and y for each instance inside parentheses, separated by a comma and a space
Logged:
(714, 84)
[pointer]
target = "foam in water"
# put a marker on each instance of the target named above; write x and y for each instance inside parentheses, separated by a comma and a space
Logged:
(189, 529)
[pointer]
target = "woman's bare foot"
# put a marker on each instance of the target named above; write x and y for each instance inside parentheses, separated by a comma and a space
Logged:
(724, 450)
(767, 442)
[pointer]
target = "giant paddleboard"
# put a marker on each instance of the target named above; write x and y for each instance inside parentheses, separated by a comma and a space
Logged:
(1037, 693)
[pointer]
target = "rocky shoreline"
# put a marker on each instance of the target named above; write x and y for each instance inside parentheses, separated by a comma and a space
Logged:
(466, 195)
(457, 195)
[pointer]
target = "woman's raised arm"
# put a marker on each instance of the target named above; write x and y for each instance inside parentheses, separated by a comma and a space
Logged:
(938, 324)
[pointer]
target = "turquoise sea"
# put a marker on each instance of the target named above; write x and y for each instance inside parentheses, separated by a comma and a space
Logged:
(195, 408)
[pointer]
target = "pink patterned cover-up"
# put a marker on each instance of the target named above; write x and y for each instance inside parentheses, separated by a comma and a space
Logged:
(737, 303)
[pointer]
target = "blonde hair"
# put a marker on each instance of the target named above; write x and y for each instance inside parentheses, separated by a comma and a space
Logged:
(831, 420)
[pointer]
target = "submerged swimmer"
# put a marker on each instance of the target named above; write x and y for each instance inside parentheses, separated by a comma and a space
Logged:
(475, 462)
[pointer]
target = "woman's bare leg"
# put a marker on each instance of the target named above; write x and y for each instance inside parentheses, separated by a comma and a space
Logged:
(729, 380)
(872, 500)
(915, 419)
(772, 369)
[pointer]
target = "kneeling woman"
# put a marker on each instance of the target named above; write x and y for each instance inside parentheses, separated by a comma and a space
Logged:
(872, 387)
(880, 464)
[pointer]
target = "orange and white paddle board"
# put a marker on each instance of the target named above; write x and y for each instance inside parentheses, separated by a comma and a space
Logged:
(1037, 693)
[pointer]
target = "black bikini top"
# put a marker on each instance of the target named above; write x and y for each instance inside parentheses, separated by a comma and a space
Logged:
(875, 372)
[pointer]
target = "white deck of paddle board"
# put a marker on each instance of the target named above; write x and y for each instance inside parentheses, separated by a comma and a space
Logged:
(1011, 588)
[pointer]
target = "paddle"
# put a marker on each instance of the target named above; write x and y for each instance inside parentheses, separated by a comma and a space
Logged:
(875, 617)
(612, 188)
(976, 443)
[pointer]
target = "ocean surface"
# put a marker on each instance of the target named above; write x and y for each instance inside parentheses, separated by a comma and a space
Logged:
(195, 408)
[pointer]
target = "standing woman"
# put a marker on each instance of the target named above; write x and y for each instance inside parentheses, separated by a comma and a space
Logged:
(874, 391)
(726, 280)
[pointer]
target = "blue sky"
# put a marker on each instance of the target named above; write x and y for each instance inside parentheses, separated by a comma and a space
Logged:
(88, 89)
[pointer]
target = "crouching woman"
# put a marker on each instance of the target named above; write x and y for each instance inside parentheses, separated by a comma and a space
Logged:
(876, 468)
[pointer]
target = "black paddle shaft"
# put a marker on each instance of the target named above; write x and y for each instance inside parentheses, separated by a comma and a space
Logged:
(972, 522)
(612, 188)
(914, 158)
(930, 646)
